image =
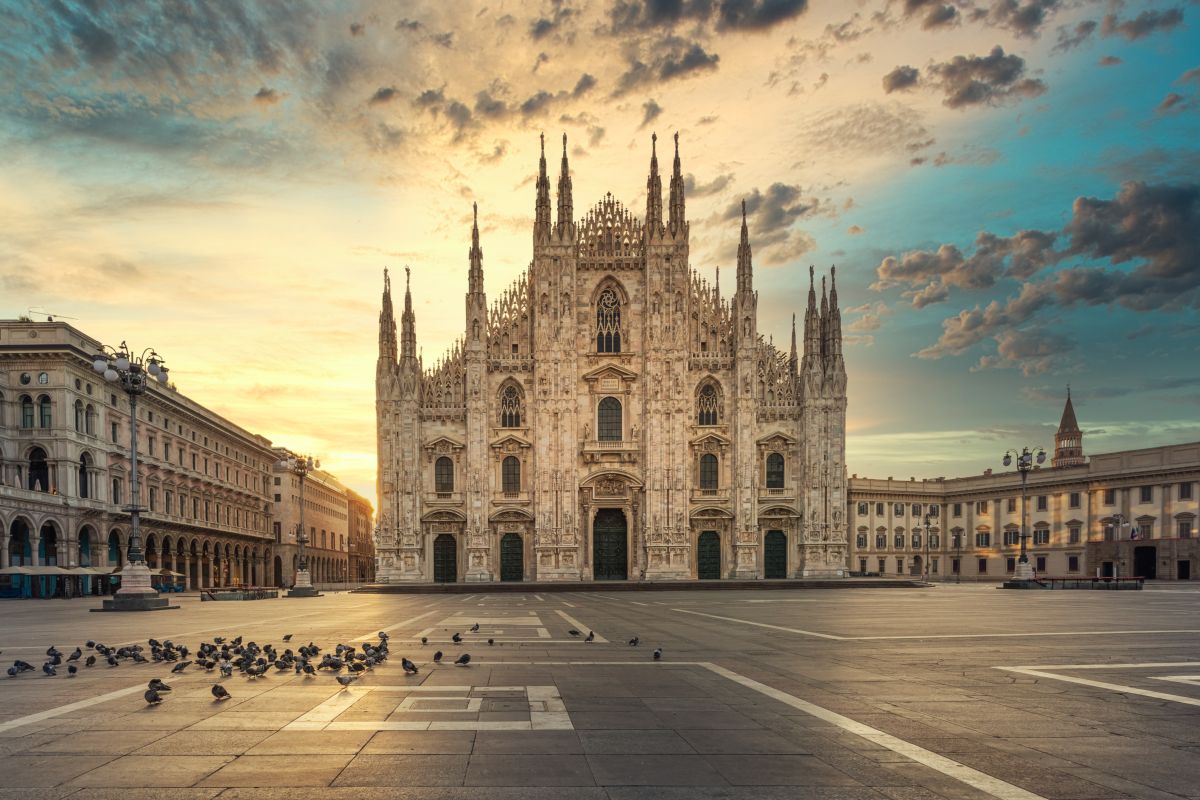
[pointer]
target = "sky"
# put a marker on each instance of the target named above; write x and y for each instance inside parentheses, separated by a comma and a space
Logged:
(1010, 190)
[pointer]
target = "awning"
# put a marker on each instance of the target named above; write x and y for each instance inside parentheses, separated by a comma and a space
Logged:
(166, 573)
(47, 571)
(16, 571)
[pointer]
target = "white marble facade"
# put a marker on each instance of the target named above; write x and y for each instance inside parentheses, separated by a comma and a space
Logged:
(612, 417)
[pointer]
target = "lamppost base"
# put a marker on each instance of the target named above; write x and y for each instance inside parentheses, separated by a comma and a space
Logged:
(136, 592)
(303, 586)
(1023, 571)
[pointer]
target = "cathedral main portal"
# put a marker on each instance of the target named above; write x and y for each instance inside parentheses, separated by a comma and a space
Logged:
(610, 545)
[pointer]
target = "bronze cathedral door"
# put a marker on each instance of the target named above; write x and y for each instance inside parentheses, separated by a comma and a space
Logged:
(610, 546)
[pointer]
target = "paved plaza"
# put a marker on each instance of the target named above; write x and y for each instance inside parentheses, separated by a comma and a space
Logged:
(949, 691)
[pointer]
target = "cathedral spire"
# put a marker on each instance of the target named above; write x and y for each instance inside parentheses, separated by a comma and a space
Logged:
(408, 330)
(475, 276)
(654, 219)
(833, 332)
(677, 204)
(387, 324)
(541, 225)
(566, 210)
(824, 328)
(812, 328)
(745, 267)
(792, 361)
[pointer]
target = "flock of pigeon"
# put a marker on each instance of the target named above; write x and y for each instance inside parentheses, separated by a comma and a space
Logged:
(250, 659)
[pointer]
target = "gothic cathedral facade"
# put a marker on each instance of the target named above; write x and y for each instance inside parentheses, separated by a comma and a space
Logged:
(612, 417)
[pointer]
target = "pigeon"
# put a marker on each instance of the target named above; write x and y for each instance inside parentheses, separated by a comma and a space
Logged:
(287, 638)
(463, 660)
(112, 661)
(152, 697)
(475, 628)
(181, 666)
(22, 666)
(424, 640)
(657, 653)
(220, 692)
(437, 657)
(52, 652)
(573, 632)
(346, 680)
(48, 668)
(12, 672)
(76, 655)
(409, 667)
(591, 636)
(90, 644)
(91, 660)
(226, 669)
(634, 641)
(157, 685)
(491, 642)
(71, 670)
(456, 638)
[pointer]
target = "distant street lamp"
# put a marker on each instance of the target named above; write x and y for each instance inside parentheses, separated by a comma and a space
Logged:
(300, 466)
(133, 373)
(925, 563)
(958, 556)
(1025, 461)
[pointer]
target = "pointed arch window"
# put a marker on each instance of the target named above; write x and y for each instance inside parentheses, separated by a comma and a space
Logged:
(775, 471)
(510, 475)
(511, 407)
(608, 420)
(443, 475)
(706, 405)
(708, 472)
(608, 322)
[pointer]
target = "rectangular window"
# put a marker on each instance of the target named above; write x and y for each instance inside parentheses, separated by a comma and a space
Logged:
(1074, 500)
(277, 496)
(1072, 563)
(958, 509)
(983, 540)
(193, 461)
(153, 445)
(1110, 497)
(1185, 491)
(981, 507)
(1146, 494)
(916, 541)
(879, 509)
(166, 451)
(880, 541)
(277, 481)
(278, 531)
(1073, 534)
(899, 566)
(916, 510)
(116, 491)
(933, 565)
(1039, 563)
(1144, 530)
(1012, 505)
(1043, 502)
(153, 498)
(167, 497)
(1010, 564)
(898, 509)
(114, 431)
(1041, 536)
(983, 566)
(955, 565)
(882, 566)
(1184, 528)
(862, 511)
(1012, 538)
(862, 565)
(899, 541)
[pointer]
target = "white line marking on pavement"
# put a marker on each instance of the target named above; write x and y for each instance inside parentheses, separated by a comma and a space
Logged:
(568, 605)
(579, 626)
(762, 625)
(920, 635)
(949, 767)
(1112, 687)
(390, 628)
(636, 603)
(1143, 664)
(54, 712)
(540, 598)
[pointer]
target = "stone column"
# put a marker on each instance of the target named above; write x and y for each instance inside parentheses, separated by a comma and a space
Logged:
(4, 549)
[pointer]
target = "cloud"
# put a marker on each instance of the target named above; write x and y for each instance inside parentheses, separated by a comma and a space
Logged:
(357, 29)
(694, 189)
(383, 95)
(488, 106)
(410, 25)
(855, 230)
(757, 14)
(1152, 226)
(868, 129)
(1023, 19)
(430, 98)
(869, 317)
(536, 104)
(940, 16)
(1143, 25)
(542, 27)
(585, 84)
(1035, 351)
(542, 58)
(1110, 61)
(650, 112)
(595, 135)
(1070, 38)
(983, 80)
(629, 16)
(1173, 102)
(900, 78)
(267, 97)
(771, 215)
(669, 59)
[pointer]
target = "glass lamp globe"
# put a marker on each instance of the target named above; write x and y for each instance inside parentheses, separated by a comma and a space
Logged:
(1007, 460)
(100, 364)
(110, 374)
(152, 367)
(162, 375)
(122, 362)
(1041, 457)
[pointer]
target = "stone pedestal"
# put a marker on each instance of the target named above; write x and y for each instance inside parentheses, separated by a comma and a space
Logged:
(1024, 571)
(136, 592)
(303, 587)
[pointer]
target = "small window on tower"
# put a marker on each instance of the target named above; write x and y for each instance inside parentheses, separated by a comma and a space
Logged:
(516, 348)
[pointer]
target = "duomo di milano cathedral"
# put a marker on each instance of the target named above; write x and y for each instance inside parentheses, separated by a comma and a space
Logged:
(612, 417)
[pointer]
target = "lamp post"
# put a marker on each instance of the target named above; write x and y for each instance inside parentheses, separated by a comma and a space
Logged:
(925, 563)
(958, 556)
(1025, 461)
(300, 466)
(133, 373)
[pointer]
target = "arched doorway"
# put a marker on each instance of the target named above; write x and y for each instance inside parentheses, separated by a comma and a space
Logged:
(774, 555)
(512, 558)
(445, 559)
(708, 556)
(918, 566)
(20, 554)
(39, 471)
(610, 546)
(278, 572)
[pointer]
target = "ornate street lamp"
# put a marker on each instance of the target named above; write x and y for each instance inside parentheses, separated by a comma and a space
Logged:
(133, 373)
(300, 466)
(1025, 461)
